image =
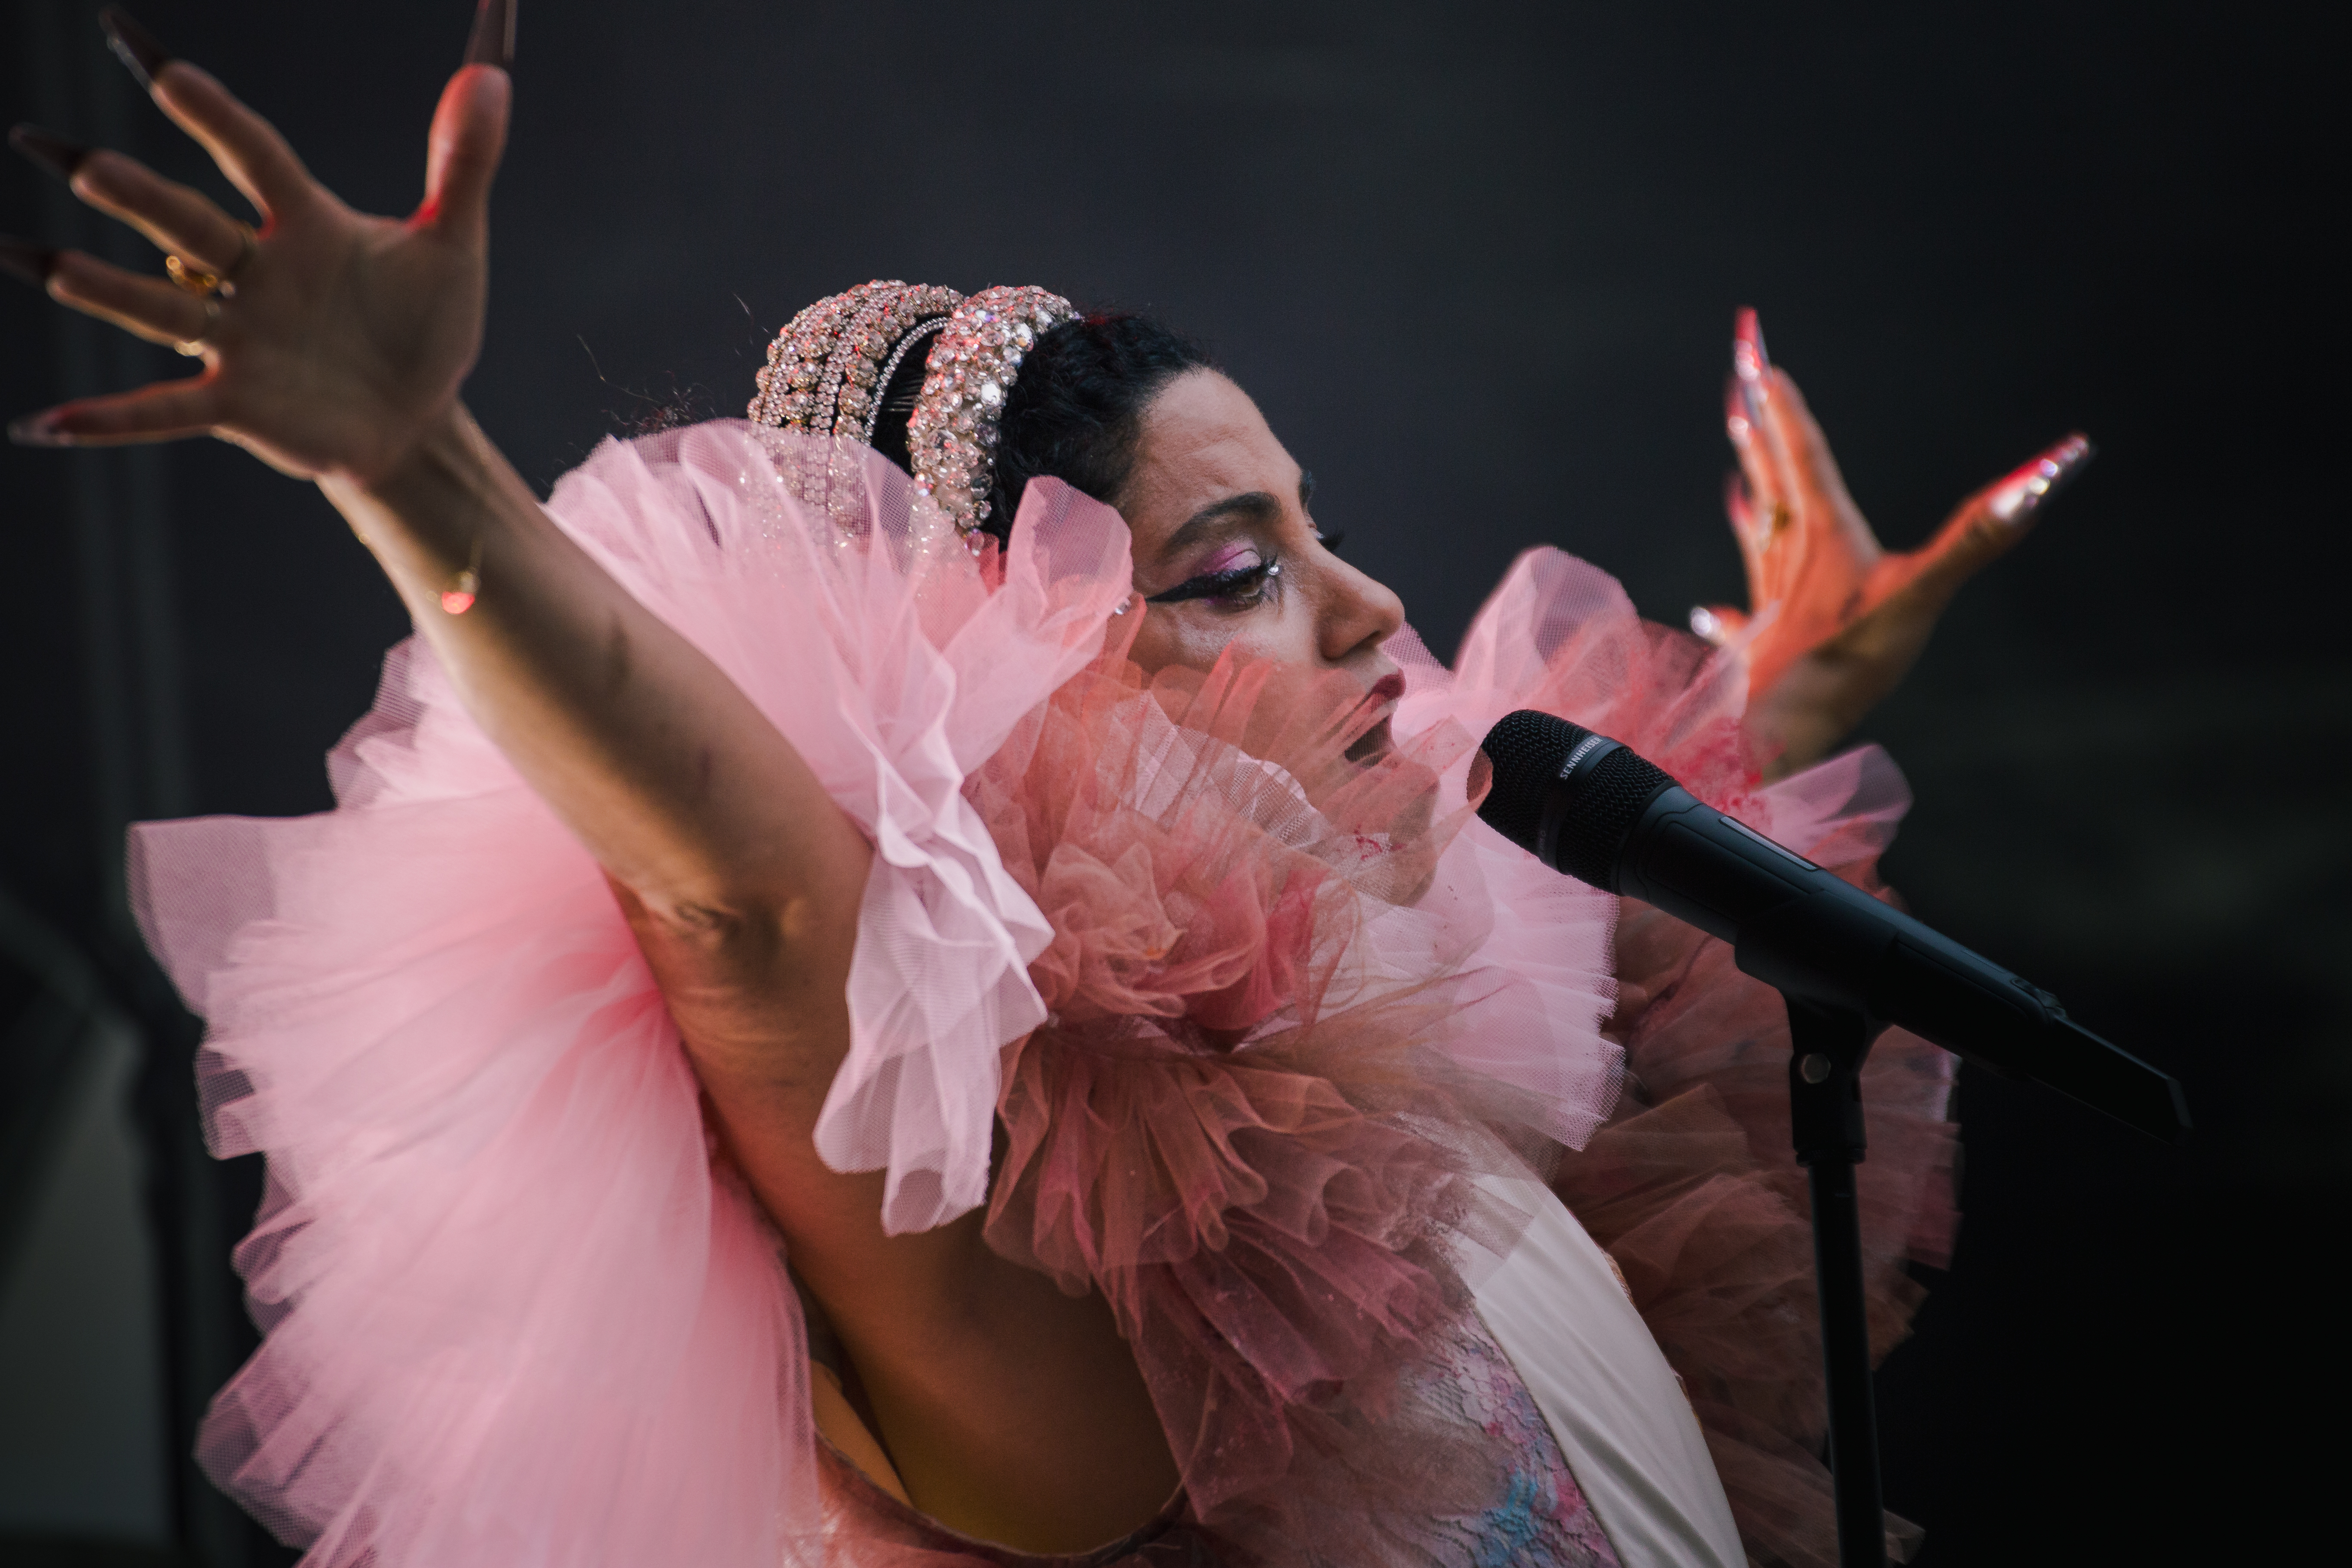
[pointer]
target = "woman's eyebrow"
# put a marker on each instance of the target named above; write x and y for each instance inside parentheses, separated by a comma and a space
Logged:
(1254, 506)
(1306, 488)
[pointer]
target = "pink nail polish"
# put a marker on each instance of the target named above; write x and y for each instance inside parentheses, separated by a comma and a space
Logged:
(1749, 360)
(1738, 506)
(1737, 420)
(2016, 497)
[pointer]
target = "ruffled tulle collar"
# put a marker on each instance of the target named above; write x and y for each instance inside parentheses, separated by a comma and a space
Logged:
(1241, 1121)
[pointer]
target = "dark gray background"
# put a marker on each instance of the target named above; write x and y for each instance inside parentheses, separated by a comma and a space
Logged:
(1478, 263)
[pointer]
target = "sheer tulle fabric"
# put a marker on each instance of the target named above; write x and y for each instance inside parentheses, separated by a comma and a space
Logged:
(1240, 1122)
(1691, 1186)
(513, 1314)
(871, 637)
(1254, 1018)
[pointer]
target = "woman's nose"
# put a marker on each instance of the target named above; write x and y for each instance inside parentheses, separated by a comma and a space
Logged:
(1358, 612)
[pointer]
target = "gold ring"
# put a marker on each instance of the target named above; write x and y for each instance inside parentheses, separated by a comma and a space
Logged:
(194, 348)
(191, 277)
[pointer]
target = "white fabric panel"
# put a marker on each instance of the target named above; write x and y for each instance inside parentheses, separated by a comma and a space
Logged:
(1619, 1415)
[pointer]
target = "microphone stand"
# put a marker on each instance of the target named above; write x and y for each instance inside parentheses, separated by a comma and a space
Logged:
(1825, 1123)
(1590, 808)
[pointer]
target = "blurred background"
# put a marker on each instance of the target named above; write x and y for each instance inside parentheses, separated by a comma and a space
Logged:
(1478, 262)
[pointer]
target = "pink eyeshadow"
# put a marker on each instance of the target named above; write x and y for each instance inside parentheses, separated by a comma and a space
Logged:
(1226, 559)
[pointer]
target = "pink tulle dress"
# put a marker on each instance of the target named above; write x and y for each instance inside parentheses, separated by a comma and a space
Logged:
(1335, 1097)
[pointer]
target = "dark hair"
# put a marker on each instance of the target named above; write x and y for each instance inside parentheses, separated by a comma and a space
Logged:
(1076, 409)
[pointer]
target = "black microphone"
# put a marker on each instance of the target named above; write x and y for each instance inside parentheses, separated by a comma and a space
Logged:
(1588, 806)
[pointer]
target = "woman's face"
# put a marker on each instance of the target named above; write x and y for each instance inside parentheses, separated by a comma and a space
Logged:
(1227, 554)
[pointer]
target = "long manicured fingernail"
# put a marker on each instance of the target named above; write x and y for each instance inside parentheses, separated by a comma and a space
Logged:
(1738, 414)
(133, 45)
(1749, 360)
(1739, 505)
(38, 430)
(50, 150)
(2015, 498)
(494, 34)
(27, 263)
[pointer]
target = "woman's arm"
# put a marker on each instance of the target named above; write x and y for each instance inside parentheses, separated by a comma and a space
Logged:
(739, 873)
(1006, 1404)
(336, 355)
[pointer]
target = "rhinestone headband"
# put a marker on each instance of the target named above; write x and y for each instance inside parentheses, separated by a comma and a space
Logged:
(825, 376)
(951, 437)
(826, 371)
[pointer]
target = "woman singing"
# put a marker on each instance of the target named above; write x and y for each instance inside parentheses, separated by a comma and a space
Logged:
(913, 979)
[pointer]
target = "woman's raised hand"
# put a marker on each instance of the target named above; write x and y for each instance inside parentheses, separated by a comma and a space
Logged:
(1835, 620)
(333, 340)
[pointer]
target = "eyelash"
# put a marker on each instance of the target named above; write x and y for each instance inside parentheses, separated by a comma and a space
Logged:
(1224, 586)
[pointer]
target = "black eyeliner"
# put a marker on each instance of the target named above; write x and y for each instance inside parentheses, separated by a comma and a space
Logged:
(1218, 585)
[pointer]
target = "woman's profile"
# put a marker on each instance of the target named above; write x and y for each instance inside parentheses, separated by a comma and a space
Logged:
(913, 978)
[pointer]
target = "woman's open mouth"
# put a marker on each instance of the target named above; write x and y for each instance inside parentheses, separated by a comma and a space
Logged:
(1377, 741)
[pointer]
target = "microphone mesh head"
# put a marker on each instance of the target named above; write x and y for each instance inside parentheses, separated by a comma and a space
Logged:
(1527, 749)
(1592, 832)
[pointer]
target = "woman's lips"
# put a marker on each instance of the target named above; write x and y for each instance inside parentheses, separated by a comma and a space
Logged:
(1385, 691)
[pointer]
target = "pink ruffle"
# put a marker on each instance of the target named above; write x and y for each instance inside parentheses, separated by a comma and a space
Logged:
(1558, 634)
(512, 1314)
(867, 631)
(1268, 1015)
(1240, 1124)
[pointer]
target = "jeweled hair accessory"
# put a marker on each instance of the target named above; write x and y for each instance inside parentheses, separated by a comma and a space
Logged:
(825, 374)
(951, 437)
(826, 369)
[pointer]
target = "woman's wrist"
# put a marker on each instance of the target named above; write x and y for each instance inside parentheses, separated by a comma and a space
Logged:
(433, 510)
